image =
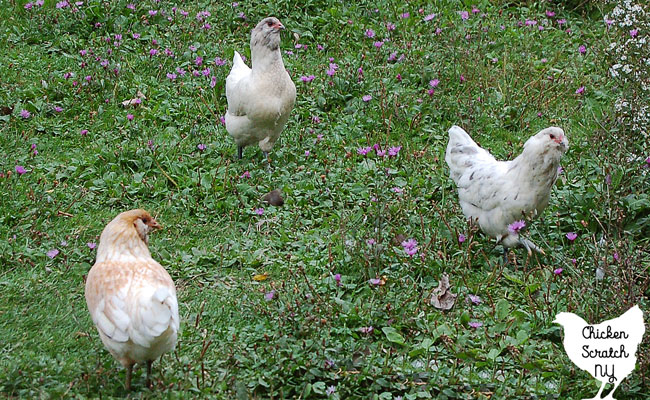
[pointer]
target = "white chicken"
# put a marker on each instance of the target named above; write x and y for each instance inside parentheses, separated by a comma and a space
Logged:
(498, 193)
(606, 350)
(259, 99)
(132, 298)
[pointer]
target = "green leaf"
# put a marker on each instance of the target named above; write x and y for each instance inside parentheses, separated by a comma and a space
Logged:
(502, 309)
(392, 335)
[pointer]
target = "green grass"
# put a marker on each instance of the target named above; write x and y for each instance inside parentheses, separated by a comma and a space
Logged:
(234, 343)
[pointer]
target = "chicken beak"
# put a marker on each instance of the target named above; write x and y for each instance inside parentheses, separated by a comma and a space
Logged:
(279, 26)
(559, 140)
(154, 225)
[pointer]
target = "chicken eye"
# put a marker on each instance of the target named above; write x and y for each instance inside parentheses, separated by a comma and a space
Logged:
(269, 23)
(145, 220)
(552, 136)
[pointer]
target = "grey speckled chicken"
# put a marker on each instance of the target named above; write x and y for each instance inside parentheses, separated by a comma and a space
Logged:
(259, 99)
(498, 193)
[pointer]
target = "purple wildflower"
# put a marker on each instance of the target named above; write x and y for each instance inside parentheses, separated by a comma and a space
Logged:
(582, 49)
(634, 33)
(52, 253)
(337, 279)
(410, 246)
(129, 117)
(269, 295)
(516, 226)
(429, 17)
(366, 98)
(308, 78)
(20, 169)
(364, 150)
(475, 324)
(474, 299)
(463, 14)
(580, 90)
(25, 114)
(259, 211)
(558, 271)
(201, 146)
(370, 33)
(393, 151)
(91, 245)
(571, 236)
(374, 281)
(461, 238)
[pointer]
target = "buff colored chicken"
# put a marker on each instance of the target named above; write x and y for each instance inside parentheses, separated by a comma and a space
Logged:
(498, 193)
(132, 298)
(259, 99)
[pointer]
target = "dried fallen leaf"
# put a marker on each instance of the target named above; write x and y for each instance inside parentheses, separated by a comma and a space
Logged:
(260, 277)
(442, 297)
(138, 98)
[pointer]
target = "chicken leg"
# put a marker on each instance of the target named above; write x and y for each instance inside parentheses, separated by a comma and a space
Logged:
(129, 372)
(530, 246)
(149, 372)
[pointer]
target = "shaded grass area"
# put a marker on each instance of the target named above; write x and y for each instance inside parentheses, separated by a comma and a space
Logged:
(314, 334)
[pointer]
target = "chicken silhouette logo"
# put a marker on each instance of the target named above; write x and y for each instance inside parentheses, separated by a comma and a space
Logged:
(607, 350)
